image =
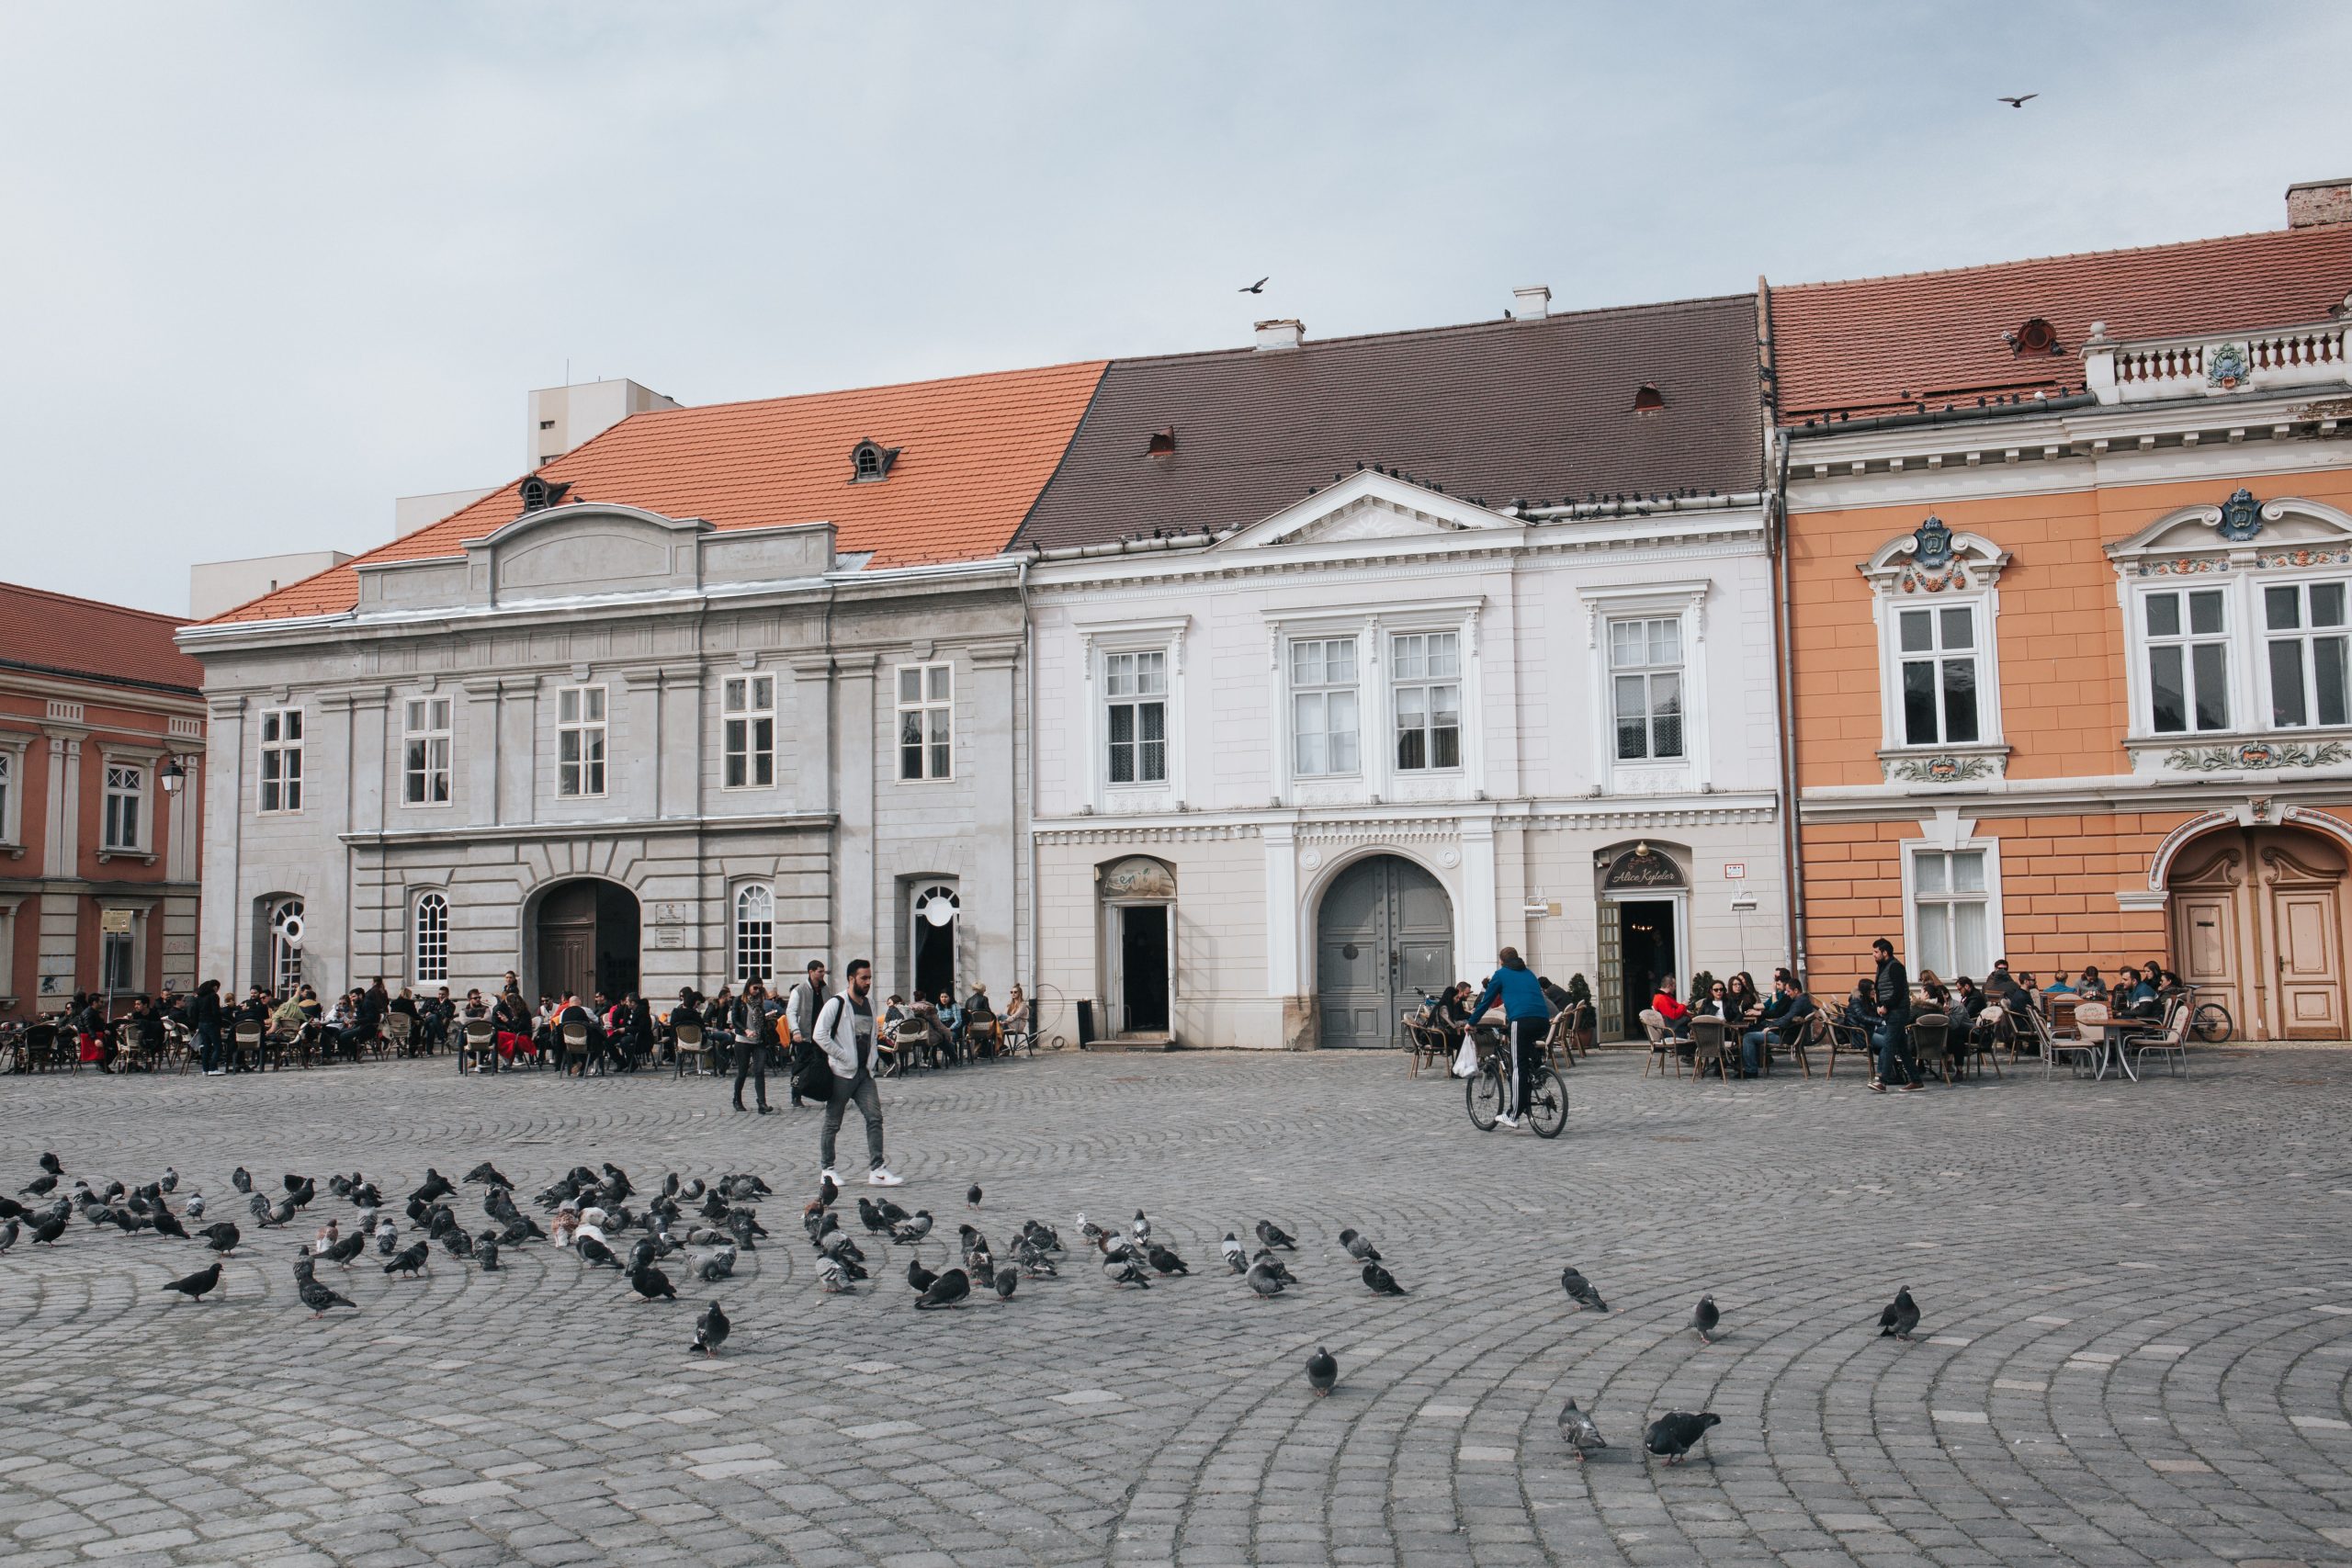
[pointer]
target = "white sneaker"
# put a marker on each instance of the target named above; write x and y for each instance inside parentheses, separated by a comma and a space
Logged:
(883, 1177)
(825, 1176)
(1506, 1120)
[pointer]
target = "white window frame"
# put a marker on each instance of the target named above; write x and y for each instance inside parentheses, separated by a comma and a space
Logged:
(1648, 672)
(286, 750)
(1937, 655)
(933, 714)
(747, 731)
(751, 932)
(428, 927)
(2266, 695)
(1136, 699)
(12, 793)
(427, 750)
(1325, 689)
(593, 765)
(1426, 684)
(133, 960)
(124, 779)
(280, 951)
(2231, 639)
(1983, 608)
(1994, 941)
(1605, 604)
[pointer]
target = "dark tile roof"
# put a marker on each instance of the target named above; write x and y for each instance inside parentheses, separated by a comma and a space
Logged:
(1887, 345)
(1537, 410)
(55, 634)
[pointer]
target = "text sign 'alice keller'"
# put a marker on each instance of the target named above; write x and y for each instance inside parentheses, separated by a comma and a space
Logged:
(1641, 867)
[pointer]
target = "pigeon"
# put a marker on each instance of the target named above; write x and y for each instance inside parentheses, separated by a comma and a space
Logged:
(487, 1172)
(912, 1229)
(1358, 1247)
(49, 1162)
(1120, 1267)
(342, 1252)
(1033, 1259)
(241, 1179)
(1273, 1266)
(972, 1196)
(41, 1186)
(1264, 1281)
(712, 1267)
(486, 1254)
(7, 1236)
(1382, 1281)
(434, 1185)
(387, 1238)
(1088, 1229)
(711, 1330)
(829, 1191)
(318, 1298)
(1901, 1316)
(1673, 1435)
(871, 1217)
(595, 1253)
(891, 1213)
(1165, 1260)
(1006, 1279)
(1235, 1258)
(1042, 1233)
(195, 1206)
(641, 1254)
(409, 1261)
(1322, 1372)
(2020, 100)
(196, 1284)
(946, 1290)
(168, 1224)
(649, 1282)
(1271, 1235)
(1704, 1318)
(1142, 1229)
(1576, 1428)
(171, 1182)
(833, 1275)
(46, 1231)
(221, 1236)
(458, 1242)
(1580, 1291)
(1257, 287)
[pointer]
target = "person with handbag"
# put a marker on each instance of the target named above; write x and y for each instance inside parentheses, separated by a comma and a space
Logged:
(845, 1032)
(755, 1032)
(800, 1008)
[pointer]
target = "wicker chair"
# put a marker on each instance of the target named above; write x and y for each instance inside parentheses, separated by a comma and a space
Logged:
(1930, 1041)
(2172, 1040)
(1661, 1044)
(1707, 1048)
(687, 1046)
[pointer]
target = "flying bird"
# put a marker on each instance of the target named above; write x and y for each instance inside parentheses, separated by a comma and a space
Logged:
(1322, 1372)
(1703, 1319)
(711, 1330)
(1257, 287)
(2020, 102)
(1900, 1317)
(1582, 1436)
(196, 1284)
(1580, 1291)
(1382, 1281)
(1674, 1434)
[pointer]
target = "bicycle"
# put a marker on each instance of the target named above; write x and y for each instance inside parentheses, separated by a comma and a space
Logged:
(2210, 1021)
(1488, 1092)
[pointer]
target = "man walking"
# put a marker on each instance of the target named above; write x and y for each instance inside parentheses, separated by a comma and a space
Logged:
(800, 1008)
(845, 1031)
(1527, 1015)
(755, 1032)
(1892, 1035)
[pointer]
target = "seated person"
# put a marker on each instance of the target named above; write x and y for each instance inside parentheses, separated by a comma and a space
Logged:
(979, 1022)
(146, 1028)
(1785, 1017)
(1714, 1002)
(1860, 1012)
(2090, 988)
(951, 1019)
(1677, 1016)
(1016, 1014)
(2134, 996)
(290, 1018)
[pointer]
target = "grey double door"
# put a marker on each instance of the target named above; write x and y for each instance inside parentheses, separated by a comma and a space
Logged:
(1384, 934)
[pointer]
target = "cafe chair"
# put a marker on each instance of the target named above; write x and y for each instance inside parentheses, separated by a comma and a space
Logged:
(1707, 1049)
(1661, 1044)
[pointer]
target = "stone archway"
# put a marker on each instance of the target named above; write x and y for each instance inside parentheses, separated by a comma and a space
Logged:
(584, 936)
(2257, 924)
(1383, 936)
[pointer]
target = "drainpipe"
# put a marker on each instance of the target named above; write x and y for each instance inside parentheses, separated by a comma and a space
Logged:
(1024, 733)
(1784, 688)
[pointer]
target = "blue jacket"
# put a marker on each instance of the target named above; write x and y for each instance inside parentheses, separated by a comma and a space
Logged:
(1521, 997)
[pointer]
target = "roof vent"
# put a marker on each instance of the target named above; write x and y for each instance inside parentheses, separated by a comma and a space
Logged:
(1532, 303)
(1647, 399)
(2037, 336)
(2315, 202)
(1278, 336)
(1161, 443)
(539, 493)
(870, 462)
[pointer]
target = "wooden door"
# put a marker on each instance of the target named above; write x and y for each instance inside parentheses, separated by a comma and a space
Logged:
(568, 958)
(1384, 934)
(2307, 944)
(2205, 935)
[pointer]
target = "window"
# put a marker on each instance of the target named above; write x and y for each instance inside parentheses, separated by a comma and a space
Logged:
(1323, 706)
(579, 740)
(1951, 913)
(114, 960)
(7, 792)
(748, 705)
(285, 945)
(2188, 665)
(432, 938)
(1938, 655)
(281, 759)
(926, 721)
(754, 932)
(424, 767)
(126, 790)
(1135, 686)
(1646, 689)
(2305, 622)
(1427, 670)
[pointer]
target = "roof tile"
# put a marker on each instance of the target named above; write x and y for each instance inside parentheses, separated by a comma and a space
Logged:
(56, 632)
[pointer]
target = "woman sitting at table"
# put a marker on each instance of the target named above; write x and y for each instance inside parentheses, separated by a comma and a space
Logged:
(1740, 1000)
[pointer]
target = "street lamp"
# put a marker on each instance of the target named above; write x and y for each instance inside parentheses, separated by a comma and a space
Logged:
(172, 775)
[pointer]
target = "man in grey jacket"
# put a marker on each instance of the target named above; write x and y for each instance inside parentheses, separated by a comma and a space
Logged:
(800, 1009)
(845, 1030)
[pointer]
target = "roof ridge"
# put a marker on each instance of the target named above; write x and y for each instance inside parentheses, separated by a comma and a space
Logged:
(165, 616)
(652, 414)
(2053, 257)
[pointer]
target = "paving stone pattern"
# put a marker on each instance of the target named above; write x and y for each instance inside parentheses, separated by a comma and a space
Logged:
(2138, 1329)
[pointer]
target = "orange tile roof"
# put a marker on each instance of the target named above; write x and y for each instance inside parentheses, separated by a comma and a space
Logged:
(1886, 345)
(57, 633)
(974, 452)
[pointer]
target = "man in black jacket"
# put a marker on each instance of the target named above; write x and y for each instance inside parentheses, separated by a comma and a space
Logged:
(800, 1009)
(754, 1033)
(1892, 1035)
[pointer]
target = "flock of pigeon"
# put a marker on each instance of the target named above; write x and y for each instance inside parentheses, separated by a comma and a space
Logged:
(712, 1222)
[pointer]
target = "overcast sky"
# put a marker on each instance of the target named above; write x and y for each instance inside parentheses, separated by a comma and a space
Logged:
(267, 266)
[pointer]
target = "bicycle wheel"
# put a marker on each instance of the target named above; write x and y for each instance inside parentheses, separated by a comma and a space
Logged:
(2211, 1023)
(1483, 1097)
(1547, 1103)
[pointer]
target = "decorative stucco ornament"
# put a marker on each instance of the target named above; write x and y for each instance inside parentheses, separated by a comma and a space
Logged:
(2228, 367)
(2241, 517)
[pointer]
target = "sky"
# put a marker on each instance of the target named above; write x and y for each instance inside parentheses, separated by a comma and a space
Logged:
(265, 267)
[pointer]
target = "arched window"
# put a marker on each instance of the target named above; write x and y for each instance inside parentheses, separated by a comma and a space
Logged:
(286, 945)
(754, 932)
(431, 944)
(932, 945)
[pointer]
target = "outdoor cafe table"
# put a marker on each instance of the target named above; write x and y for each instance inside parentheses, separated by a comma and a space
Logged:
(2113, 1032)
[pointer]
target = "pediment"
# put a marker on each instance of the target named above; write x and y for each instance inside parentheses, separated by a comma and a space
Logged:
(1933, 559)
(2287, 531)
(1368, 506)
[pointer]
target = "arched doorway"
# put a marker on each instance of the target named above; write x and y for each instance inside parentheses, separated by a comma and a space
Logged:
(931, 917)
(585, 934)
(1384, 934)
(1645, 907)
(1139, 942)
(2257, 922)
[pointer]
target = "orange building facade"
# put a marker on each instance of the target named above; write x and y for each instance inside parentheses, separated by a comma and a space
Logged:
(2068, 594)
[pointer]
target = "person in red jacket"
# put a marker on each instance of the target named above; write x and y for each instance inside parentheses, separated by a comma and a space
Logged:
(1677, 1016)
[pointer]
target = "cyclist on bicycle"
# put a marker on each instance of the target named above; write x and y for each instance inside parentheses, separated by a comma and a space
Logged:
(1526, 1017)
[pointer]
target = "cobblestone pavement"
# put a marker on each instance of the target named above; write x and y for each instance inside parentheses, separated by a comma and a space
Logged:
(2138, 1299)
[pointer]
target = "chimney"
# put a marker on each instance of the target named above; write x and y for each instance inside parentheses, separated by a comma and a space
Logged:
(1274, 337)
(2315, 202)
(1532, 303)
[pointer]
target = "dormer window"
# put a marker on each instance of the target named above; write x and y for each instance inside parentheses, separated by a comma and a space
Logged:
(870, 462)
(1647, 399)
(541, 493)
(1161, 443)
(2036, 337)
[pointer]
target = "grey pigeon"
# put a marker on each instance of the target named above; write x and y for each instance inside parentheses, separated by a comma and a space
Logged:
(7, 1236)
(1164, 1258)
(1006, 1279)
(195, 1206)
(945, 1292)
(912, 1229)
(1273, 1266)
(650, 1283)
(1272, 1234)
(41, 1186)
(1235, 1258)
(1382, 1281)
(1705, 1318)
(486, 1254)
(595, 1253)
(972, 1196)
(1582, 1436)
(196, 1284)
(1580, 1291)
(834, 1276)
(1119, 1266)
(1900, 1317)
(171, 1182)
(1358, 1247)
(342, 1252)
(221, 1236)
(318, 1298)
(711, 1330)
(1674, 1434)
(1142, 1229)
(167, 1224)
(1264, 1281)
(410, 1260)
(1322, 1372)
(241, 1179)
